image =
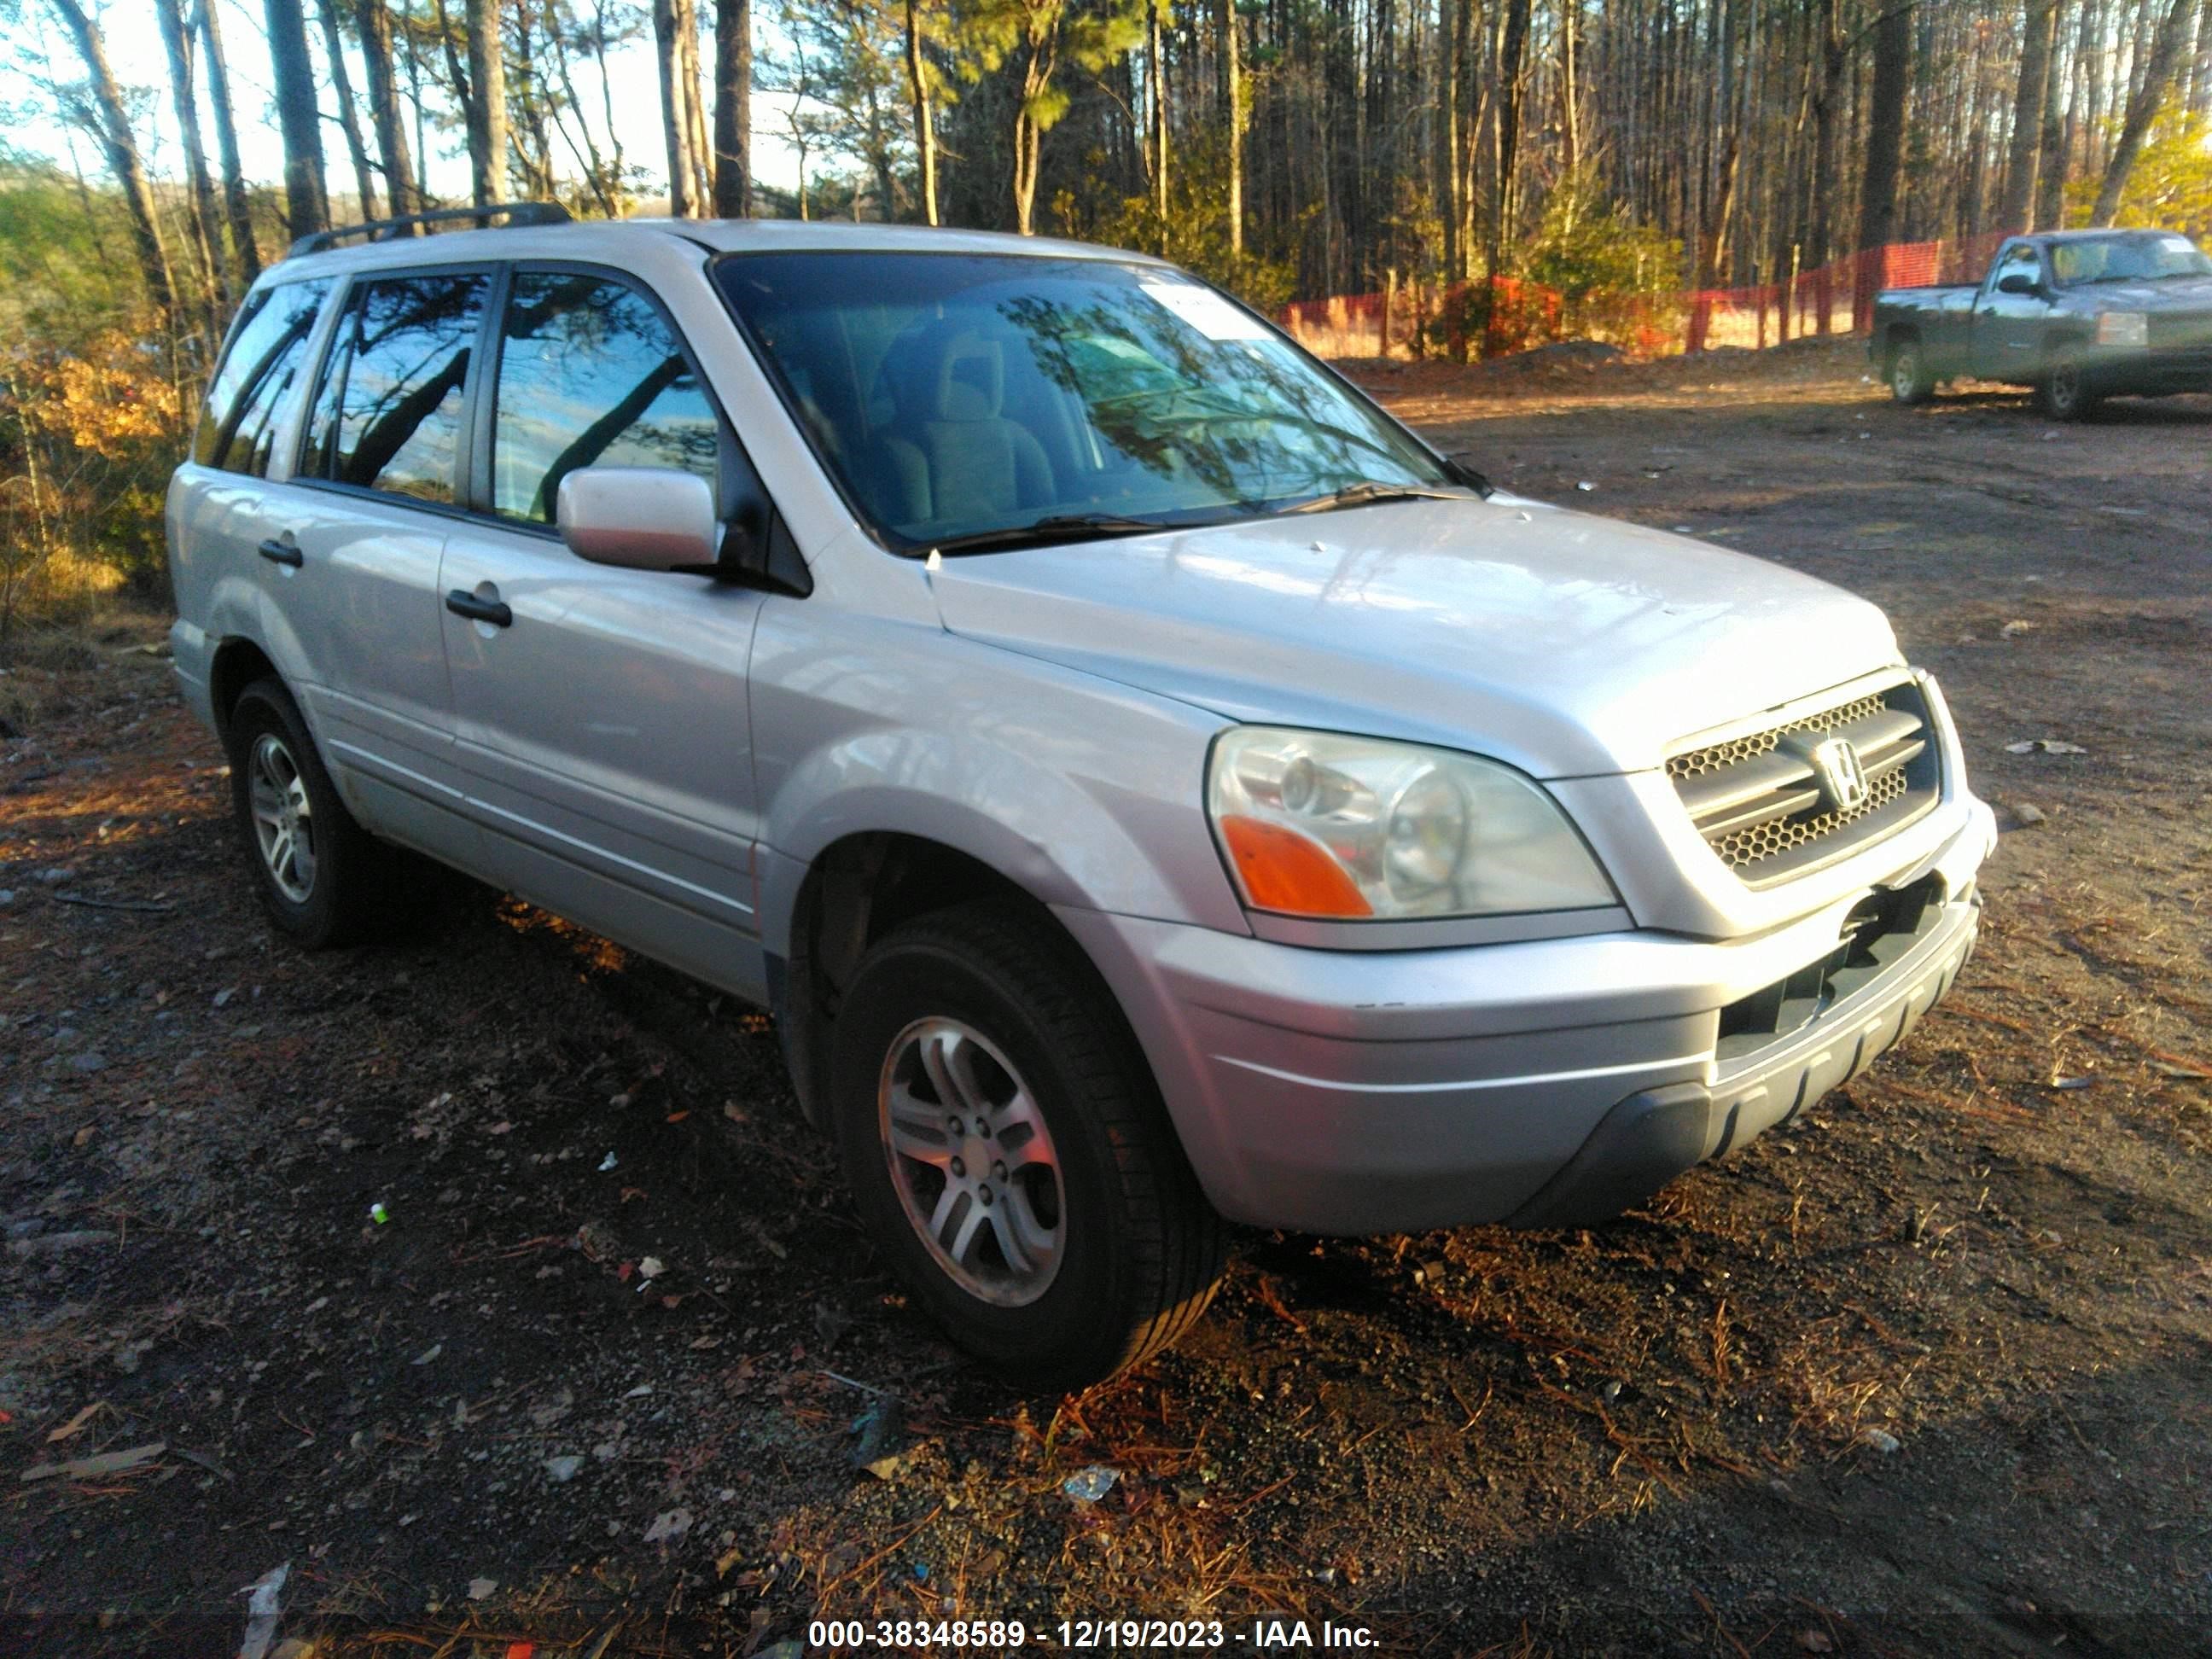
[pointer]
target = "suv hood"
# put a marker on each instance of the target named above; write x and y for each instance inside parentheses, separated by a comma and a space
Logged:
(1561, 643)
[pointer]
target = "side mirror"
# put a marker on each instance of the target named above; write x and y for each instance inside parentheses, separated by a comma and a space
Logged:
(2018, 282)
(640, 518)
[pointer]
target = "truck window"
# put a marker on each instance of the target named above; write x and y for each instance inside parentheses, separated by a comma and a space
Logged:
(387, 411)
(238, 421)
(590, 373)
(2021, 256)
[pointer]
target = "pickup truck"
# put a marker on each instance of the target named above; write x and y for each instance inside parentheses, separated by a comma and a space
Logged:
(2079, 316)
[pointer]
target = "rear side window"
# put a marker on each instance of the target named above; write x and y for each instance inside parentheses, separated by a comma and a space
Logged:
(238, 421)
(388, 409)
(590, 373)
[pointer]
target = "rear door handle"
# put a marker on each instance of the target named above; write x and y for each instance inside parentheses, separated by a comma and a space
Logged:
(462, 603)
(281, 549)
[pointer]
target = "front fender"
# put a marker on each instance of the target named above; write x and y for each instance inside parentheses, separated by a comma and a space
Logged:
(1085, 793)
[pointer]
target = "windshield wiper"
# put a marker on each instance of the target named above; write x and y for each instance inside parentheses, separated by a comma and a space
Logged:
(1360, 494)
(1057, 528)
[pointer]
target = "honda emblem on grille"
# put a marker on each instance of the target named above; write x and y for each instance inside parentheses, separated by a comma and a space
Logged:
(1842, 779)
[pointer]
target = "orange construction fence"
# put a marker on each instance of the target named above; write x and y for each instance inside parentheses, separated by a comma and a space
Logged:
(1416, 319)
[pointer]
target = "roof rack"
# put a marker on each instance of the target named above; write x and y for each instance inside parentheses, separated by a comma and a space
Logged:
(382, 230)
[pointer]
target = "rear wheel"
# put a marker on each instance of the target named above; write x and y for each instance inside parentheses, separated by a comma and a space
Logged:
(1910, 382)
(2064, 394)
(322, 877)
(1006, 1146)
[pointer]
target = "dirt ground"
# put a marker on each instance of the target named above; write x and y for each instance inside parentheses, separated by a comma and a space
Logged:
(1928, 1374)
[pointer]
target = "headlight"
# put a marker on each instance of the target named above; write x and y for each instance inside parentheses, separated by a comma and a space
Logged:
(1317, 824)
(2124, 328)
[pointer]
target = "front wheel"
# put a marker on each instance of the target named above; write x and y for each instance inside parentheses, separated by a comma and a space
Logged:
(1008, 1150)
(1910, 382)
(2064, 394)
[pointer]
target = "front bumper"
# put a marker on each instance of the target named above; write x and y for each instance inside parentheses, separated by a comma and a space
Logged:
(2153, 374)
(1549, 1083)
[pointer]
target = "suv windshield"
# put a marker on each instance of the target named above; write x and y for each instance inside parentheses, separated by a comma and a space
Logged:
(974, 398)
(2126, 259)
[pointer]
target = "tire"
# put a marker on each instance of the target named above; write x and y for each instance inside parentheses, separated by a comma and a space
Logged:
(1910, 382)
(331, 883)
(1096, 1248)
(2064, 394)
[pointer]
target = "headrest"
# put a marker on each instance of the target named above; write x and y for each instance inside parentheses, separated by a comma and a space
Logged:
(970, 382)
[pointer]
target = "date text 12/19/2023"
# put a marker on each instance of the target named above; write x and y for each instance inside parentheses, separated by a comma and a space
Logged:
(1267, 1633)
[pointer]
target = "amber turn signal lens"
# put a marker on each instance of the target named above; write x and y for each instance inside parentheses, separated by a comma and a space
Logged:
(1284, 871)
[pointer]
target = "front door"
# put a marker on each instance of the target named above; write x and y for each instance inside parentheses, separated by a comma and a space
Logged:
(602, 713)
(2007, 342)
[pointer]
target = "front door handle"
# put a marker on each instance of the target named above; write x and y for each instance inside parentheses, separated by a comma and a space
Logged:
(283, 550)
(462, 603)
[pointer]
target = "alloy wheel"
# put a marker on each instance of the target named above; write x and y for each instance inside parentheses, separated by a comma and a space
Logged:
(283, 817)
(972, 1162)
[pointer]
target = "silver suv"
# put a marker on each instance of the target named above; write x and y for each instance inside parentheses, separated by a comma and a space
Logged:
(1150, 786)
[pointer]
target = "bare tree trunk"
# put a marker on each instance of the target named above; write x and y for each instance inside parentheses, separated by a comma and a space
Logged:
(373, 22)
(2051, 156)
(1512, 45)
(1029, 136)
(733, 107)
(487, 104)
(236, 204)
(307, 197)
(2036, 39)
(364, 176)
(530, 110)
(111, 121)
(695, 84)
(2200, 96)
(1892, 69)
(924, 128)
(1571, 126)
(675, 116)
(1232, 60)
(2142, 108)
(206, 217)
(1156, 64)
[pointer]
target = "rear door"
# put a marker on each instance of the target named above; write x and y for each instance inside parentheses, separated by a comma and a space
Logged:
(381, 469)
(224, 516)
(604, 724)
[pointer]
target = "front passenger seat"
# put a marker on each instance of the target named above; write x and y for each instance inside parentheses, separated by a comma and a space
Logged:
(980, 467)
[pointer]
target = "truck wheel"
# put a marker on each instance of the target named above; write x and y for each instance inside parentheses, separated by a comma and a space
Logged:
(1910, 382)
(2064, 394)
(1007, 1148)
(322, 877)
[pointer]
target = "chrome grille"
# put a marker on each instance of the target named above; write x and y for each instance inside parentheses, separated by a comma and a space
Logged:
(1761, 802)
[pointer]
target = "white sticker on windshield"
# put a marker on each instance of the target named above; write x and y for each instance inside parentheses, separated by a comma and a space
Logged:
(1206, 311)
(2176, 245)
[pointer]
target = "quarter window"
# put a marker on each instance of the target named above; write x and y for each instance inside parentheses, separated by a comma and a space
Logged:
(590, 374)
(388, 412)
(238, 421)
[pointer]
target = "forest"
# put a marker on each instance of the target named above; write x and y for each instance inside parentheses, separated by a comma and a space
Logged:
(1615, 154)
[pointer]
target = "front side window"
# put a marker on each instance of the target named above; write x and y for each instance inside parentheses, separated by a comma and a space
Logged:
(590, 373)
(387, 412)
(2021, 259)
(957, 396)
(238, 421)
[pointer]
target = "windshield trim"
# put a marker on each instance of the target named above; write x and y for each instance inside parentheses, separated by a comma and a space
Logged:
(900, 547)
